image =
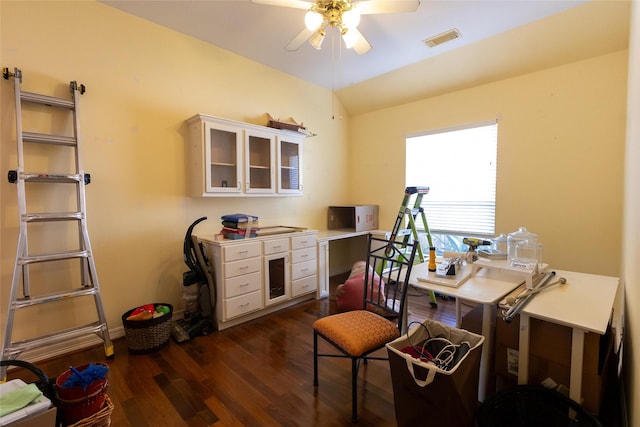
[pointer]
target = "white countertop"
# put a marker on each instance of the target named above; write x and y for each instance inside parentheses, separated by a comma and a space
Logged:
(584, 302)
(345, 234)
(486, 287)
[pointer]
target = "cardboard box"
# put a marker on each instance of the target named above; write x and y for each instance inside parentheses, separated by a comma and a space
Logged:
(550, 357)
(37, 413)
(353, 217)
(472, 322)
(43, 419)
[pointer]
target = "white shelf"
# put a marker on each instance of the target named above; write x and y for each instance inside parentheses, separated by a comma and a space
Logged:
(527, 270)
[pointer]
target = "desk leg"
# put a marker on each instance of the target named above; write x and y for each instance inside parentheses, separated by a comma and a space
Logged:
(577, 349)
(487, 332)
(323, 269)
(458, 313)
(523, 350)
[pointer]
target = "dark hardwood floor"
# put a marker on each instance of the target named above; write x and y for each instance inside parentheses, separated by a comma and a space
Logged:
(256, 374)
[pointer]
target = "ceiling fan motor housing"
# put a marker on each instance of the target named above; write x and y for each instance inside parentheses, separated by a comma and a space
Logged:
(332, 11)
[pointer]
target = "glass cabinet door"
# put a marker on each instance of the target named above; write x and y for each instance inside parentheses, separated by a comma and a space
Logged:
(289, 167)
(260, 157)
(276, 278)
(223, 150)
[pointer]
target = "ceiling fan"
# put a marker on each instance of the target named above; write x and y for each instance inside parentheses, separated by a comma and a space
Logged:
(343, 15)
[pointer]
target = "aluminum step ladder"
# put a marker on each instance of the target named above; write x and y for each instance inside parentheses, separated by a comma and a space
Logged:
(53, 225)
(405, 227)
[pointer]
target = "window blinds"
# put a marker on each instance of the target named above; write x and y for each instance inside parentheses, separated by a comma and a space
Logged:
(459, 167)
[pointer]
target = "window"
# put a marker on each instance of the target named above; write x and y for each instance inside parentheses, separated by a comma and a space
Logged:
(459, 167)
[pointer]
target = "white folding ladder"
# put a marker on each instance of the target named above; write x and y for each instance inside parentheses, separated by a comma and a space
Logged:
(77, 248)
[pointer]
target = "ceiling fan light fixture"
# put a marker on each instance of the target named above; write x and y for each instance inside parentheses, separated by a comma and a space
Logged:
(313, 20)
(350, 38)
(351, 18)
(317, 39)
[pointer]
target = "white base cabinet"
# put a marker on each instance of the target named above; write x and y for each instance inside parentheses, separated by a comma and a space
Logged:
(257, 276)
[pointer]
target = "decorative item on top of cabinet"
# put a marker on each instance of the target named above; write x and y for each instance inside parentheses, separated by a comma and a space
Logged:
(228, 158)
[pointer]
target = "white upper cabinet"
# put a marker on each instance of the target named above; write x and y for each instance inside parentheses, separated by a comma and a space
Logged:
(230, 159)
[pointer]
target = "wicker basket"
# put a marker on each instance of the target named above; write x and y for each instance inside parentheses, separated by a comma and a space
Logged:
(144, 336)
(102, 418)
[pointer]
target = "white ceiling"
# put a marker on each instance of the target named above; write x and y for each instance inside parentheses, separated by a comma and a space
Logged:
(260, 32)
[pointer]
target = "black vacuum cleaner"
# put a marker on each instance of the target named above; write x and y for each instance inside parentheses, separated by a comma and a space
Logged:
(197, 286)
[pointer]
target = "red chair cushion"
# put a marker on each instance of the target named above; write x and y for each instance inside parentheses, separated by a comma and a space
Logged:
(349, 295)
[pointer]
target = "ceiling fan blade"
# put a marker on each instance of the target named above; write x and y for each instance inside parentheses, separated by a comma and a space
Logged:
(297, 4)
(300, 39)
(361, 45)
(369, 7)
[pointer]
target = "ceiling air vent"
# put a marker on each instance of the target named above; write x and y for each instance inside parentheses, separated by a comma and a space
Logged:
(442, 38)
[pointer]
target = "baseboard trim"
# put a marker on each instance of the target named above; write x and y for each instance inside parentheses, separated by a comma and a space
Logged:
(76, 344)
(69, 346)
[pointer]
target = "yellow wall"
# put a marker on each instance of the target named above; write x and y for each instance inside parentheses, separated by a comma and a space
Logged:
(143, 81)
(560, 156)
(631, 250)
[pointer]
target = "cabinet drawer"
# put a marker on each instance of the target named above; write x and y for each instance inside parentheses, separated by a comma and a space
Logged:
(236, 252)
(245, 266)
(305, 254)
(242, 284)
(304, 286)
(303, 269)
(306, 241)
(243, 304)
(276, 246)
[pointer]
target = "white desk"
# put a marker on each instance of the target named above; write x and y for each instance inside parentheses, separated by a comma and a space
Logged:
(584, 304)
(488, 287)
(324, 238)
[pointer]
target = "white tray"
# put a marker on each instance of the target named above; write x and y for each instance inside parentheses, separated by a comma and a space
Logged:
(450, 281)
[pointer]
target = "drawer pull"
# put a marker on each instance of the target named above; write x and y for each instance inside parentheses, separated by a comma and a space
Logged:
(243, 268)
(246, 304)
(243, 252)
(304, 269)
(277, 247)
(244, 285)
(304, 256)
